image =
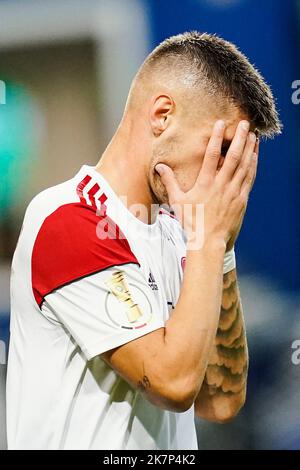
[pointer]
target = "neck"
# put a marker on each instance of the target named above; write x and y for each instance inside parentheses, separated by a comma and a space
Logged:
(124, 166)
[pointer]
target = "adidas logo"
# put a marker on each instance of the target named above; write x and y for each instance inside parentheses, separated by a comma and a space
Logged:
(151, 282)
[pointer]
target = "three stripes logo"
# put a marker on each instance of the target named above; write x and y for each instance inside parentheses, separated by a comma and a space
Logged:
(151, 281)
(92, 195)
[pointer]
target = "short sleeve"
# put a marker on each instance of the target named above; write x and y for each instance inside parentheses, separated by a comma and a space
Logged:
(106, 309)
(85, 275)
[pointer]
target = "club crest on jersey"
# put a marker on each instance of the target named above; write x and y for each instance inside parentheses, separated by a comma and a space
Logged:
(126, 307)
(151, 281)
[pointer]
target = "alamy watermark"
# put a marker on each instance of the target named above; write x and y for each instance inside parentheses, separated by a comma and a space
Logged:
(2, 92)
(2, 353)
(295, 357)
(194, 232)
(296, 93)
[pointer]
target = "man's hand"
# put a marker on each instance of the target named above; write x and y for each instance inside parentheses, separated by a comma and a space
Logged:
(223, 193)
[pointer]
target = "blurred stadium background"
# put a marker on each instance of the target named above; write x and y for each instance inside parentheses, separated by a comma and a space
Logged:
(65, 69)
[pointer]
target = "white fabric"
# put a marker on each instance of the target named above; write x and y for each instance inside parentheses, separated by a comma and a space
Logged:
(79, 304)
(229, 261)
(60, 393)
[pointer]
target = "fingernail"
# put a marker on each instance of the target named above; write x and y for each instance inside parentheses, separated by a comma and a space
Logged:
(252, 137)
(245, 125)
(220, 125)
(160, 169)
(254, 156)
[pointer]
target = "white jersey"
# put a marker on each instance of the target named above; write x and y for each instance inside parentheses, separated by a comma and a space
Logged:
(87, 277)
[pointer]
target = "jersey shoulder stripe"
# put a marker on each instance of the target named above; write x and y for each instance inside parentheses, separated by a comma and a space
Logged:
(73, 242)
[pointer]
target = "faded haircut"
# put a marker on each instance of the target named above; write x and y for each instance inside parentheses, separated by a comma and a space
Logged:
(208, 61)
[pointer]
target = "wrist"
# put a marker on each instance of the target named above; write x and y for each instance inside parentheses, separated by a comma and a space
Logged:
(212, 244)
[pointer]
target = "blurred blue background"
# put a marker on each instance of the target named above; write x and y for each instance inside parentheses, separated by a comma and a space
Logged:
(67, 77)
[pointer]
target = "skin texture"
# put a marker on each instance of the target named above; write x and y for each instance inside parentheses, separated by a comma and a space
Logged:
(224, 386)
(169, 148)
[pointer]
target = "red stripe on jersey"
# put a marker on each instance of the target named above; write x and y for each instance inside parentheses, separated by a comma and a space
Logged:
(74, 242)
(81, 187)
(92, 193)
(102, 200)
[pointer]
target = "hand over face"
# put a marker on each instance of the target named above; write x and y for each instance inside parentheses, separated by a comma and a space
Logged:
(222, 192)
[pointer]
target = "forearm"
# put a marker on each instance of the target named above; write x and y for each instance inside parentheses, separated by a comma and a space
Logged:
(224, 387)
(191, 330)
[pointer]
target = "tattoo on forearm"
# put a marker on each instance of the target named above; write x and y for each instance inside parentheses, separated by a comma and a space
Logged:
(228, 364)
(144, 383)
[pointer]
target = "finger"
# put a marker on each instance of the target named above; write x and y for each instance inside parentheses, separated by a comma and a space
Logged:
(242, 170)
(169, 181)
(250, 176)
(213, 152)
(235, 152)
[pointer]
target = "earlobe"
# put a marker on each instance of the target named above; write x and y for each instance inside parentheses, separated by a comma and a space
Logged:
(160, 113)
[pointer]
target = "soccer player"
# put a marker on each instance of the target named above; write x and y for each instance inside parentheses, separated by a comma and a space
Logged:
(127, 321)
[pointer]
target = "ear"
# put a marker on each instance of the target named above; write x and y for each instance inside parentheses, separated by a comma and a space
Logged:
(160, 113)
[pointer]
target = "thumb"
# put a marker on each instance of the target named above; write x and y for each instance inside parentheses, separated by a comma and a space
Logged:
(169, 181)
